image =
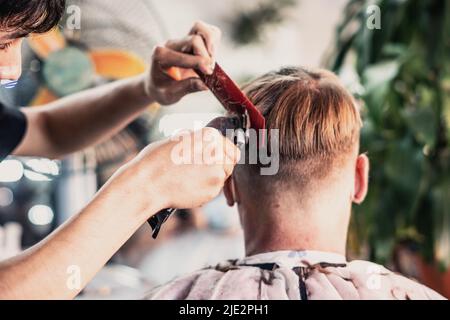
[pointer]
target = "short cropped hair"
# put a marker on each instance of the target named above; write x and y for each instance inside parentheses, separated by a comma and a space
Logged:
(318, 120)
(30, 16)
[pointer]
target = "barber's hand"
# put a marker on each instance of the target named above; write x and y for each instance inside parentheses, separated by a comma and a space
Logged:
(171, 76)
(184, 172)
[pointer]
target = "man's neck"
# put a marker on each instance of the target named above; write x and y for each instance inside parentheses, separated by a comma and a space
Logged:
(283, 226)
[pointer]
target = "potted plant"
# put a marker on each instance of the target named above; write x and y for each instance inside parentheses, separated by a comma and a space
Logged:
(402, 74)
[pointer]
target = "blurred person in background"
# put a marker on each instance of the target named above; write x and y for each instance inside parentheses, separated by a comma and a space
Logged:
(89, 239)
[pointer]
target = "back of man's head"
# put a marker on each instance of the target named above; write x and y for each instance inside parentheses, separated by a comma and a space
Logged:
(319, 126)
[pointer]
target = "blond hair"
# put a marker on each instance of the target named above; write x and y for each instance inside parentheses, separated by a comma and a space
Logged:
(317, 118)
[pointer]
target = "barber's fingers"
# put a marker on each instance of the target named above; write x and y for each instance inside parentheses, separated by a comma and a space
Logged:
(190, 44)
(223, 147)
(226, 154)
(231, 160)
(180, 88)
(210, 34)
(232, 152)
(166, 58)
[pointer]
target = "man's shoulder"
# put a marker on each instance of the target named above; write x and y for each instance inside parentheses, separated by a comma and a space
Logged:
(374, 281)
(187, 286)
(227, 280)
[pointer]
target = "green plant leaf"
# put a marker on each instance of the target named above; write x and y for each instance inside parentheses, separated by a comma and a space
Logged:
(422, 123)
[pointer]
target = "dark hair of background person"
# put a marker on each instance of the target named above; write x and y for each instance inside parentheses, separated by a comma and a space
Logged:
(30, 16)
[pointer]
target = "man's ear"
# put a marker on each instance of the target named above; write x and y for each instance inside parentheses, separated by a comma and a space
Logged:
(361, 179)
(228, 190)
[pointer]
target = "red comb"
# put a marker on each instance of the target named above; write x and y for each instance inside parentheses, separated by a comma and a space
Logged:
(231, 97)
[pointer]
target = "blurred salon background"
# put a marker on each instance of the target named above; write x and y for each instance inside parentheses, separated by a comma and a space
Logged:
(392, 54)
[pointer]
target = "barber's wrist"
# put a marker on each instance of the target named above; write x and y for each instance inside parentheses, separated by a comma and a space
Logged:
(140, 92)
(137, 190)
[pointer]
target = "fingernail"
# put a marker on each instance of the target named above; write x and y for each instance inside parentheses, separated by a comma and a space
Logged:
(209, 70)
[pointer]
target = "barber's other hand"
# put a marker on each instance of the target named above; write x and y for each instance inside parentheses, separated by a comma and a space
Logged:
(171, 76)
(164, 177)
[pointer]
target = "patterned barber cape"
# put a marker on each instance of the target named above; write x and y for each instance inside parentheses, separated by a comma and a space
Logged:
(293, 275)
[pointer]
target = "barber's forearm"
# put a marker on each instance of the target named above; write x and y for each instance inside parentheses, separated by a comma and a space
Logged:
(80, 247)
(89, 117)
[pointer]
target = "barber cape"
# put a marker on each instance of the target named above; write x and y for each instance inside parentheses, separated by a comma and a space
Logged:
(293, 275)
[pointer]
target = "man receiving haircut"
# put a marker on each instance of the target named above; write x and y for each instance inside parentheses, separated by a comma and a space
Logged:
(296, 221)
(140, 188)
